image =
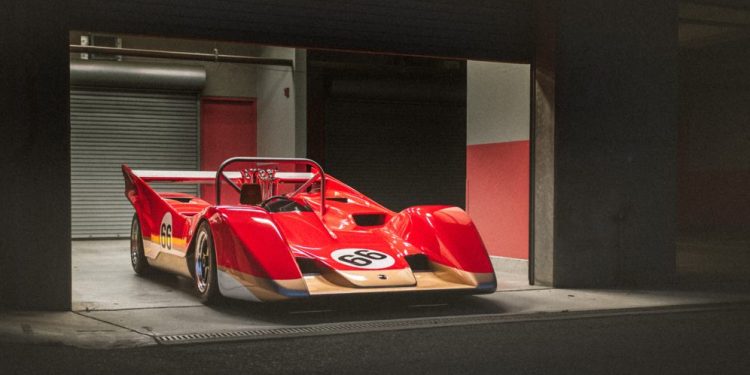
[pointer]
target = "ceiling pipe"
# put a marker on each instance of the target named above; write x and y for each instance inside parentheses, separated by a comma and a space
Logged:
(137, 75)
(195, 56)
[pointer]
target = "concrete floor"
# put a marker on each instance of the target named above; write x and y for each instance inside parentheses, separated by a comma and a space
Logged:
(114, 308)
(697, 342)
(126, 309)
(104, 280)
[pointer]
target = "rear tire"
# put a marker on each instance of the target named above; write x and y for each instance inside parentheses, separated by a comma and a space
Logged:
(204, 266)
(137, 256)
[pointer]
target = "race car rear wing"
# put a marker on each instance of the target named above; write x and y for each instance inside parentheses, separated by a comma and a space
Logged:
(209, 177)
(264, 176)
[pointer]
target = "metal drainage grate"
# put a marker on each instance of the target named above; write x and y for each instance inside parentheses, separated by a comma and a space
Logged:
(432, 322)
(330, 328)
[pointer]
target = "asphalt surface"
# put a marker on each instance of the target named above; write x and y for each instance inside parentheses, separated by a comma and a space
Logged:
(707, 342)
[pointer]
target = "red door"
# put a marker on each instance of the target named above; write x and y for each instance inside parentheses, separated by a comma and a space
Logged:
(228, 128)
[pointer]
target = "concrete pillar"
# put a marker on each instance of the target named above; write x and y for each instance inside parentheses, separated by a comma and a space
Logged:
(605, 114)
(300, 102)
(34, 156)
(277, 127)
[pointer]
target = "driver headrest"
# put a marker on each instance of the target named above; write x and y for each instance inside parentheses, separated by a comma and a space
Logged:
(251, 194)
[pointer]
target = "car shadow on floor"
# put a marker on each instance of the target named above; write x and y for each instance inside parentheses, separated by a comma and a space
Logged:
(331, 309)
(359, 308)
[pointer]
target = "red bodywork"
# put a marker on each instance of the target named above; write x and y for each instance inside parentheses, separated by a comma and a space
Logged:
(265, 255)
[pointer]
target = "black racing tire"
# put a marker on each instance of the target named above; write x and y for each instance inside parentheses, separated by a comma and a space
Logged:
(204, 266)
(137, 256)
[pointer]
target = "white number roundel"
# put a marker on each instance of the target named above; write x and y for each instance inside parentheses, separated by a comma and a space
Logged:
(363, 258)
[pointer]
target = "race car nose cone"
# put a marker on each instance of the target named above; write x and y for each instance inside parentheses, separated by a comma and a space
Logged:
(369, 279)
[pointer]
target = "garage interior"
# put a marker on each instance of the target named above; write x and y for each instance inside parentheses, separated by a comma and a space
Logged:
(622, 152)
(156, 113)
(161, 113)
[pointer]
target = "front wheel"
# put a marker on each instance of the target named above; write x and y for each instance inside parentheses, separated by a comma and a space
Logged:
(204, 266)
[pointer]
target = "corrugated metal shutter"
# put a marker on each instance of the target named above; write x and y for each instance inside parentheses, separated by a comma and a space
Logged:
(109, 128)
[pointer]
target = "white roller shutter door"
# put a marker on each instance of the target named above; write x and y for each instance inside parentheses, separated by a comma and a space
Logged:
(144, 130)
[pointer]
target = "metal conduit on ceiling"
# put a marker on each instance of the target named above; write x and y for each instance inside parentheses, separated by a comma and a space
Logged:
(137, 75)
(181, 55)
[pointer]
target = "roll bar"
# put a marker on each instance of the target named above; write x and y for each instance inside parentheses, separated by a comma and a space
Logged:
(311, 163)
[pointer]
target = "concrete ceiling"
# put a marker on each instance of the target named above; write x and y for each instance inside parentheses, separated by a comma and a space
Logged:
(709, 23)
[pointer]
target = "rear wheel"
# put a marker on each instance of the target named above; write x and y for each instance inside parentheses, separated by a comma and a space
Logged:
(204, 266)
(137, 256)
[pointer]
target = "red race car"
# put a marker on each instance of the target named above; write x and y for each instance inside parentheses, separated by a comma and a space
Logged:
(320, 237)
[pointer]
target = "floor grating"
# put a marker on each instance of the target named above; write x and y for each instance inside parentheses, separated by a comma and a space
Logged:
(415, 323)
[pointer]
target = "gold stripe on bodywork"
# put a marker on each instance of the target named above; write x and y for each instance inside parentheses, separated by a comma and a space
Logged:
(460, 276)
(266, 289)
(177, 243)
(444, 278)
(319, 285)
(168, 260)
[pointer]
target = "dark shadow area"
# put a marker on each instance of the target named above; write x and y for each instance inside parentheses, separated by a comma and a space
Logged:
(393, 127)
(713, 244)
(356, 308)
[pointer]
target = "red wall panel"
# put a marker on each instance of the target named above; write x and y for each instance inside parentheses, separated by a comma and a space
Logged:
(497, 196)
(228, 128)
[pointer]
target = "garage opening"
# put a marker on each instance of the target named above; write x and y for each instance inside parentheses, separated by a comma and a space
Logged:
(403, 130)
(380, 113)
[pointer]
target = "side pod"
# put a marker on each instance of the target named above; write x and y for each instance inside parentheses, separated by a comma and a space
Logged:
(254, 262)
(449, 238)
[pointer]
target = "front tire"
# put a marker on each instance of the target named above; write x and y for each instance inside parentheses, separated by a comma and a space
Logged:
(204, 266)
(137, 255)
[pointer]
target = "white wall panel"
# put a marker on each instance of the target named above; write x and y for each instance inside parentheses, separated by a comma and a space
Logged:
(497, 102)
(276, 111)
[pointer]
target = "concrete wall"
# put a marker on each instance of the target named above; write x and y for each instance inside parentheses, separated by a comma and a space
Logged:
(497, 155)
(35, 261)
(714, 141)
(715, 162)
(605, 142)
(300, 103)
(276, 108)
